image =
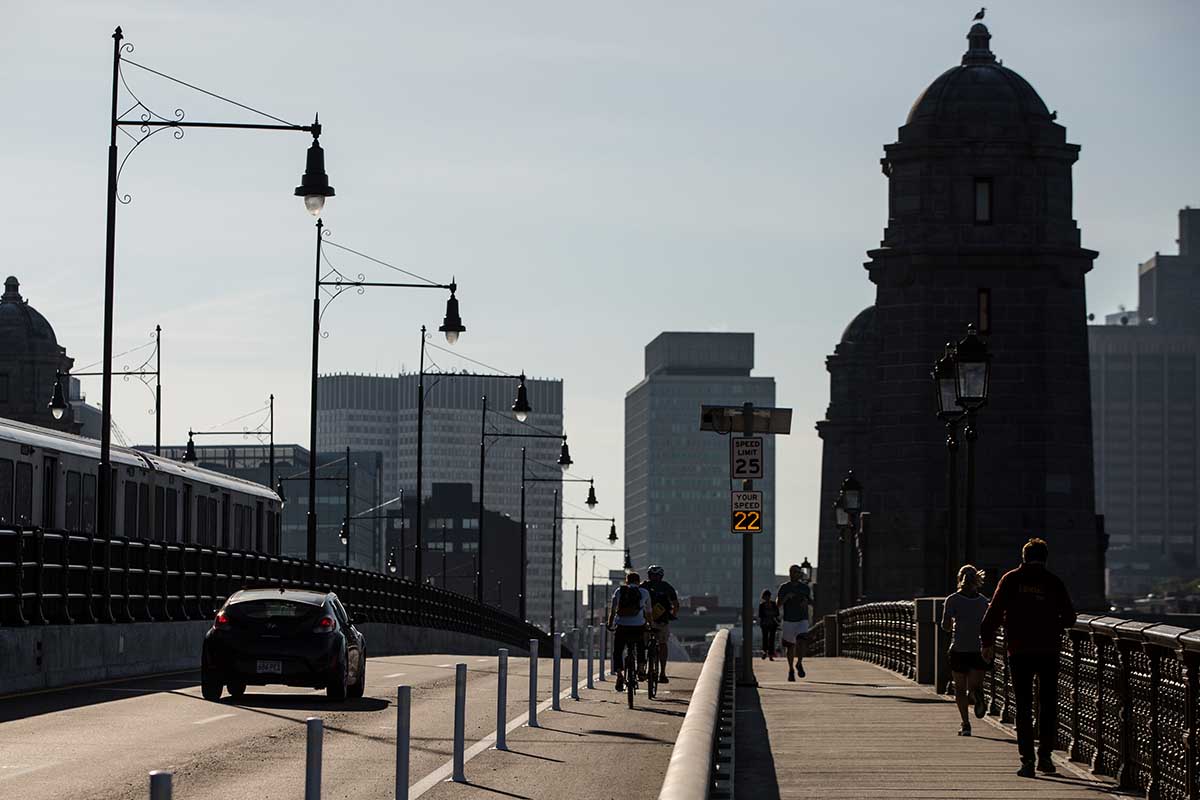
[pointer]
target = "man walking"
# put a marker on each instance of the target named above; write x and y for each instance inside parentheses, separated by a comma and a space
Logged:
(1033, 606)
(793, 599)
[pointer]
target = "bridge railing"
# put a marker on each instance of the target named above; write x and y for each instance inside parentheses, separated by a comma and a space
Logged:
(56, 577)
(1128, 692)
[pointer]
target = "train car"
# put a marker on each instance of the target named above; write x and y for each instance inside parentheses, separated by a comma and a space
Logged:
(48, 479)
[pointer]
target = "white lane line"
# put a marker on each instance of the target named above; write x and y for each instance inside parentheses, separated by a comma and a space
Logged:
(483, 659)
(443, 772)
(207, 720)
(395, 675)
(443, 666)
(15, 770)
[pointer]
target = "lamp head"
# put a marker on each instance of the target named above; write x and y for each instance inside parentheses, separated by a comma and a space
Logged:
(345, 534)
(612, 533)
(564, 455)
(851, 493)
(945, 377)
(58, 402)
(974, 366)
(391, 561)
(591, 501)
(314, 184)
(452, 325)
(279, 491)
(189, 453)
(520, 406)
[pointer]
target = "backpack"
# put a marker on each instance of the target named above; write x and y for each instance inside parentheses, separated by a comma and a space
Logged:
(629, 601)
(660, 600)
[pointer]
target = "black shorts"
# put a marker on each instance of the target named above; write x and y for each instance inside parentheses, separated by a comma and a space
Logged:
(965, 662)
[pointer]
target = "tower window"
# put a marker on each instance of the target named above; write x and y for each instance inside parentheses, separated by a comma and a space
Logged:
(984, 321)
(983, 201)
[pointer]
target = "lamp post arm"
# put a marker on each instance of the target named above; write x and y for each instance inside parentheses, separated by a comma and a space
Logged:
(612, 520)
(498, 435)
(244, 126)
(389, 285)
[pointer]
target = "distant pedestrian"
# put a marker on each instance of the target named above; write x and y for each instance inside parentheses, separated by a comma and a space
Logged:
(962, 616)
(768, 623)
(794, 599)
(1034, 607)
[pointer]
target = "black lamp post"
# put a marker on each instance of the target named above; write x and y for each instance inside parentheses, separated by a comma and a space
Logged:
(452, 326)
(189, 452)
(847, 512)
(612, 539)
(554, 536)
(147, 122)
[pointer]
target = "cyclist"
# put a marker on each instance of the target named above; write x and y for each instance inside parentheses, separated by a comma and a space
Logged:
(628, 617)
(664, 607)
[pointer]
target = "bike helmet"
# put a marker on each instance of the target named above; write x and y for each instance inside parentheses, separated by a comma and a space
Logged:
(655, 573)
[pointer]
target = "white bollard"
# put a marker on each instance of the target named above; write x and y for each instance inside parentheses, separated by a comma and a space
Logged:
(502, 699)
(403, 729)
(591, 634)
(533, 656)
(557, 673)
(603, 650)
(312, 761)
(460, 720)
(160, 784)
(575, 664)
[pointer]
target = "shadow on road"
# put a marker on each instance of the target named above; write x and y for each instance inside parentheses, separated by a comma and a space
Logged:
(755, 773)
(305, 702)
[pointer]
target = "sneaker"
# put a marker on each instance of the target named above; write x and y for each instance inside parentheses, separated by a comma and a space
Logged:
(791, 675)
(641, 675)
(800, 670)
(620, 684)
(1046, 764)
(965, 730)
(1026, 770)
(772, 656)
(980, 703)
(663, 678)
(764, 655)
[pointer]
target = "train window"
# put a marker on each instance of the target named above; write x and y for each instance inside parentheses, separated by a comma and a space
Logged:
(49, 492)
(160, 512)
(89, 504)
(172, 513)
(130, 509)
(143, 520)
(6, 491)
(212, 522)
(225, 520)
(23, 508)
(258, 527)
(201, 520)
(187, 513)
(73, 502)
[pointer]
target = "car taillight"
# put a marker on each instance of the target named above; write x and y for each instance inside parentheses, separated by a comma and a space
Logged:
(222, 621)
(324, 625)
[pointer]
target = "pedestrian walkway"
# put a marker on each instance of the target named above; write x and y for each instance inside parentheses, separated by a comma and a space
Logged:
(855, 730)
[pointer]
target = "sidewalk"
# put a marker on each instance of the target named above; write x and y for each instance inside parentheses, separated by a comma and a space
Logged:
(854, 730)
(596, 748)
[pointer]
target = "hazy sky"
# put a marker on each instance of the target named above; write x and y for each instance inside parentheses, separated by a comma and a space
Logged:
(591, 174)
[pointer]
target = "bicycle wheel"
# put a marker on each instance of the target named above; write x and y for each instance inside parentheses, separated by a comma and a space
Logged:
(630, 673)
(651, 668)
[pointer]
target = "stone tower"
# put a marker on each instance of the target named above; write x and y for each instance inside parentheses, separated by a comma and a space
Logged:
(29, 356)
(979, 231)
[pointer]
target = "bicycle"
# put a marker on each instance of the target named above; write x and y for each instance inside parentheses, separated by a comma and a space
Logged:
(631, 671)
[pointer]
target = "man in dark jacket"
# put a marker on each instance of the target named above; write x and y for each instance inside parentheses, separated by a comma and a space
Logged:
(1033, 606)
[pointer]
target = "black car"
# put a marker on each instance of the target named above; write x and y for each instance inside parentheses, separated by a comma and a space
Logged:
(293, 637)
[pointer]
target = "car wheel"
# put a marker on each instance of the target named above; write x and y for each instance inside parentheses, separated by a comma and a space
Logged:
(210, 685)
(360, 685)
(236, 690)
(336, 688)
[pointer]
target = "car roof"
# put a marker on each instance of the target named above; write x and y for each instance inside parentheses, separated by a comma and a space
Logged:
(295, 595)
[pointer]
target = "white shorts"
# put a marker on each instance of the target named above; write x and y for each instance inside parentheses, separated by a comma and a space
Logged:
(791, 631)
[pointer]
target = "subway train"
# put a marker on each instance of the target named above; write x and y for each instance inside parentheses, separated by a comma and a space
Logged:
(48, 479)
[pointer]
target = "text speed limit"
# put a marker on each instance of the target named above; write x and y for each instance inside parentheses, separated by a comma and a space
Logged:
(746, 512)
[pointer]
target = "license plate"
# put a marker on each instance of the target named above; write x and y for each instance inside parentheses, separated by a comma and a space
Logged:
(275, 667)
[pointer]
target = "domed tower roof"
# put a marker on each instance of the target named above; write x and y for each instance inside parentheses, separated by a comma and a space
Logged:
(862, 328)
(980, 90)
(22, 329)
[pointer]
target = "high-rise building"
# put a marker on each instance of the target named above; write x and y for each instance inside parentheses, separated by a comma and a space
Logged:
(979, 231)
(677, 477)
(1145, 405)
(380, 413)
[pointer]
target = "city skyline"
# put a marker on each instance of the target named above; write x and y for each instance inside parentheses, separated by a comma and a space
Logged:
(220, 254)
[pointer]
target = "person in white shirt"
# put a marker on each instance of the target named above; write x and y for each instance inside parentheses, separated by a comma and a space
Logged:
(628, 618)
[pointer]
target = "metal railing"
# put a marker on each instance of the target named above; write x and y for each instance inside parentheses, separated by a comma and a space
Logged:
(690, 773)
(56, 577)
(1129, 692)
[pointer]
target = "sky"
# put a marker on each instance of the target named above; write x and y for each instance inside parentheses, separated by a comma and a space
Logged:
(591, 174)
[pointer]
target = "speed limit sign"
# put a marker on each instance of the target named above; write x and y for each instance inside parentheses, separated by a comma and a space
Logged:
(746, 458)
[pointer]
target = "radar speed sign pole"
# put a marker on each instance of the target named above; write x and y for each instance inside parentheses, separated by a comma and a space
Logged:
(746, 676)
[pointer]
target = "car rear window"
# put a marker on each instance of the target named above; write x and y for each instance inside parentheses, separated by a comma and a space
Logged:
(282, 610)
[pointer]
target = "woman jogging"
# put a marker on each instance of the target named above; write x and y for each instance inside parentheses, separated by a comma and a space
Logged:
(768, 623)
(962, 616)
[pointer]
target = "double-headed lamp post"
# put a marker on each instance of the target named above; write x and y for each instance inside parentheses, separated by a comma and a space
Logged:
(961, 376)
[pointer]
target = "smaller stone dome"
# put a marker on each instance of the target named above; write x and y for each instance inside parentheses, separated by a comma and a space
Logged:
(21, 327)
(862, 328)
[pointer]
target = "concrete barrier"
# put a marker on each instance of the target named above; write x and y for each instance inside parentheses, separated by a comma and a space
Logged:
(52, 656)
(688, 771)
